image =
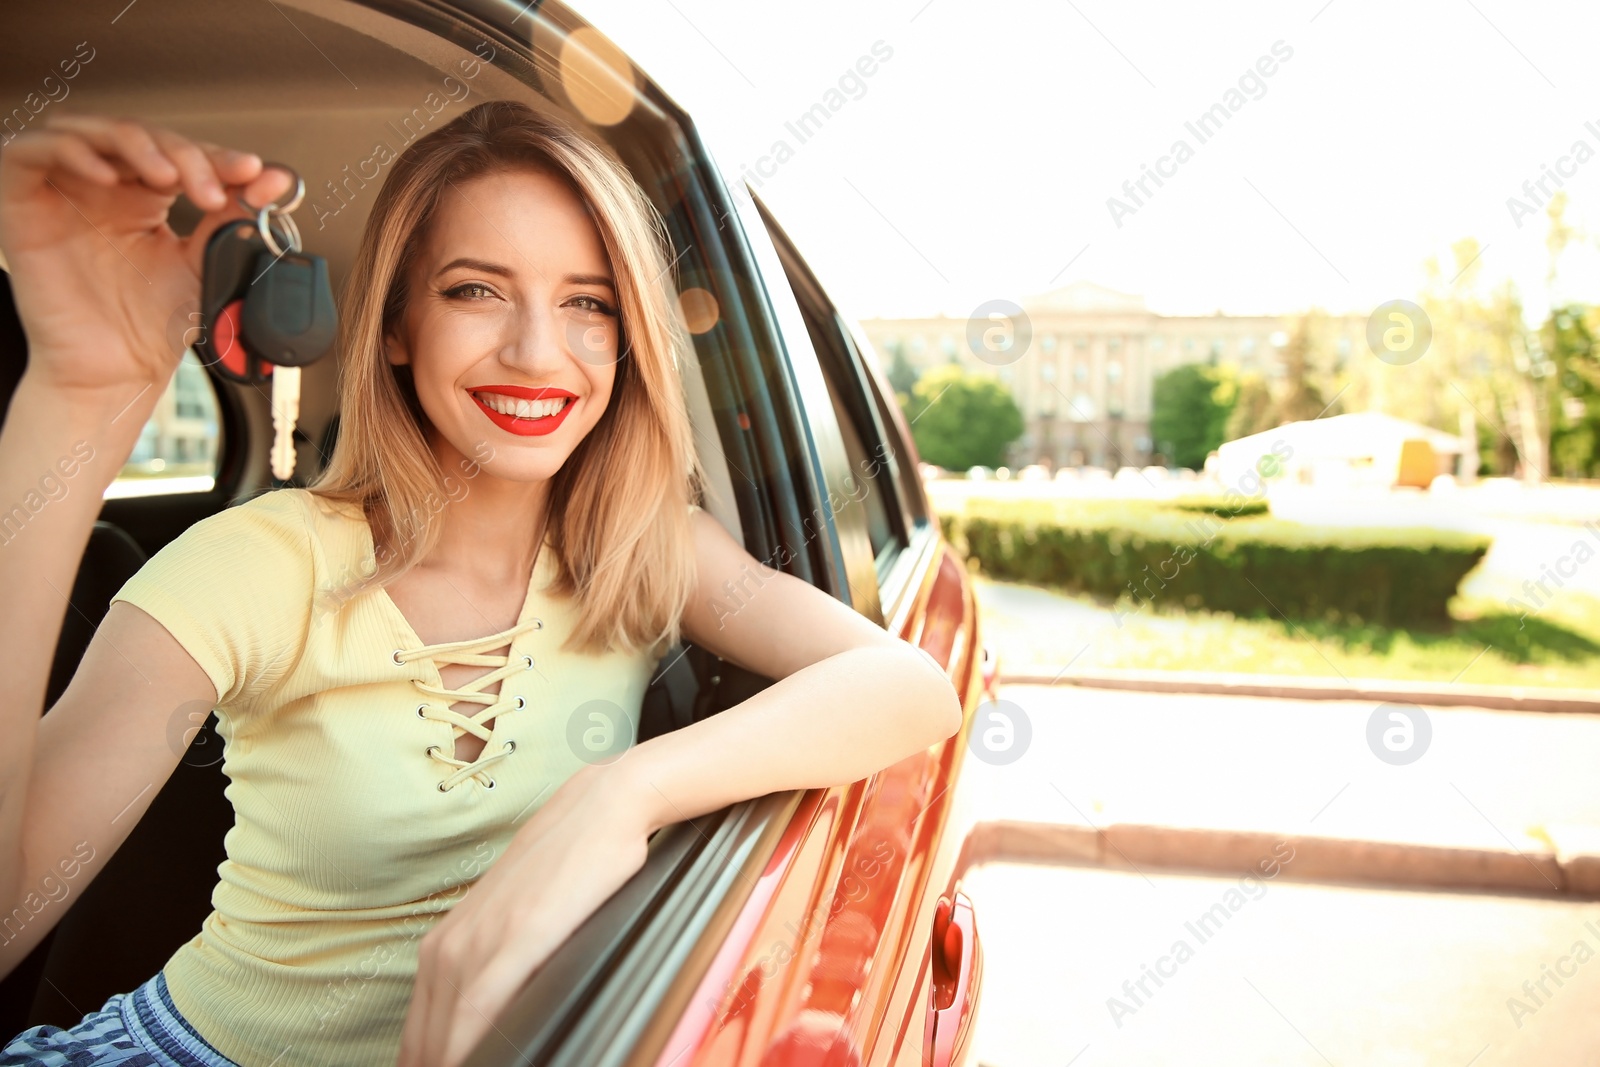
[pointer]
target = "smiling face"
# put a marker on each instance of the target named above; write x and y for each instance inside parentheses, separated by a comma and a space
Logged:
(510, 325)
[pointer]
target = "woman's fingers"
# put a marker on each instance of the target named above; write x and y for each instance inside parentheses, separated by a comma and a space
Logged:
(199, 168)
(411, 1040)
(440, 1007)
(491, 990)
(273, 184)
(467, 1028)
(46, 150)
(104, 151)
(167, 161)
(124, 142)
(453, 1013)
(261, 183)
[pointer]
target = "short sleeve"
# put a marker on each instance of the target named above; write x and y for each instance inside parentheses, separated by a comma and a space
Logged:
(235, 590)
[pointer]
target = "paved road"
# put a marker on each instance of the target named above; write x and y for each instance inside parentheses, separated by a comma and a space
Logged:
(1486, 779)
(1296, 974)
(1287, 973)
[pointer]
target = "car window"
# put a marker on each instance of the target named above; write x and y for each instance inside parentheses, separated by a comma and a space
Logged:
(869, 485)
(177, 451)
(900, 466)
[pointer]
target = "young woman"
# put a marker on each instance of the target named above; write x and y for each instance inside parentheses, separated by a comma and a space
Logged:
(427, 666)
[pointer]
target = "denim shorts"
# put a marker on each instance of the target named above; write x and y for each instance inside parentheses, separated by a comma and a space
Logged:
(138, 1029)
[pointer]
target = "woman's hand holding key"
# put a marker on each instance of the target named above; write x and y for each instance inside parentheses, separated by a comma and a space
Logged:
(96, 272)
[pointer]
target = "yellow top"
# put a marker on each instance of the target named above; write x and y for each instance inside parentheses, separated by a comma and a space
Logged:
(355, 827)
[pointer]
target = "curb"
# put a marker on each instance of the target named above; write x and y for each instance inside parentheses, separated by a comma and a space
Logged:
(1542, 870)
(1493, 697)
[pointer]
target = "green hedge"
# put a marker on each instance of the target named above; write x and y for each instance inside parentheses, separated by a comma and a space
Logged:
(1222, 507)
(1160, 555)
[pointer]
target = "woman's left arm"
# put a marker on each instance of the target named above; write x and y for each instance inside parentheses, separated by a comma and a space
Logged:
(848, 699)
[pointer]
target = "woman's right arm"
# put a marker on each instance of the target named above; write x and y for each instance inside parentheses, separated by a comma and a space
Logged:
(97, 275)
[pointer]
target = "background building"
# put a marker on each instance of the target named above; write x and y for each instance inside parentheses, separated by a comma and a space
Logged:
(1084, 382)
(182, 430)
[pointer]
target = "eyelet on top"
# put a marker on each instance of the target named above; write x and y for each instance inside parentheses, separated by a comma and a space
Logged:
(490, 785)
(520, 704)
(442, 789)
(398, 662)
(540, 622)
(420, 707)
(511, 745)
(529, 661)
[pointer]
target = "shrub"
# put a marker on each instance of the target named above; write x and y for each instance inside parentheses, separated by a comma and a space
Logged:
(1169, 556)
(1220, 506)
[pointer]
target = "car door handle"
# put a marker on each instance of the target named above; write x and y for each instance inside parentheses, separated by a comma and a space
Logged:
(989, 671)
(957, 969)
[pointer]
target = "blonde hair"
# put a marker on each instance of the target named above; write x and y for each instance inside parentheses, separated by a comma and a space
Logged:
(618, 509)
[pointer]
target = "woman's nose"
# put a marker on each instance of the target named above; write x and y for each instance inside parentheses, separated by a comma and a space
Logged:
(536, 343)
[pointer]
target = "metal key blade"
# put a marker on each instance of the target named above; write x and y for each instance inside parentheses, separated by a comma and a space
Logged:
(285, 413)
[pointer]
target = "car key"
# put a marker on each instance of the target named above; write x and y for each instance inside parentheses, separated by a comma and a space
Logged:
(266, 311)
(285, 414)
(288, 317)
(289, 320)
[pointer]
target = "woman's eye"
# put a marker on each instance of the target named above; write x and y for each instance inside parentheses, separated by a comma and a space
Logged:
(595, 304)
(470, 291)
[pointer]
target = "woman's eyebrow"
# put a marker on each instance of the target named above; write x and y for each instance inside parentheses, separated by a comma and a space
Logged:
(475, 264)
(506, 272)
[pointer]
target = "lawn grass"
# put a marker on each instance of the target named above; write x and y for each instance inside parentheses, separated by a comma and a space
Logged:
(1482, 644)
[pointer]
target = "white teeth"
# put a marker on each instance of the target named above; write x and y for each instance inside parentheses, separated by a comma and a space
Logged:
(523, 409)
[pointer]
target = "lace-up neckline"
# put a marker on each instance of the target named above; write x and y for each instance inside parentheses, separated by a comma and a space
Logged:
(471, 652)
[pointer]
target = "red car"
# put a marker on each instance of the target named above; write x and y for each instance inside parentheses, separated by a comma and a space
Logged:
(824, 927)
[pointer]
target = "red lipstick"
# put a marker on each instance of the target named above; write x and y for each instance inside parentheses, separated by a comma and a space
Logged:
(520, 426)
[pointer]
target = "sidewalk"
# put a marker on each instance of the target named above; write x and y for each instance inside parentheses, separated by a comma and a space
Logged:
(1161, 781)
(1275, 973)
(1367, 690)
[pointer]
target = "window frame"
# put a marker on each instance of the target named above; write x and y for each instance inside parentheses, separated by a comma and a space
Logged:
(862, 390)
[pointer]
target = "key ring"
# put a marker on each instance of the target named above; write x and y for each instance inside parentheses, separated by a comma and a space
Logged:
(281, 212)
(291, 231)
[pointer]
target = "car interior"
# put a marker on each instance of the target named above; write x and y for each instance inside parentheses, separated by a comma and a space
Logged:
(320, 91)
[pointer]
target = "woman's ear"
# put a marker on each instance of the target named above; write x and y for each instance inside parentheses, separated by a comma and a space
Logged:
(394, 349)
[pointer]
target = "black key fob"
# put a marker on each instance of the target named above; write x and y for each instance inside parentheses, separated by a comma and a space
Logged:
(229, 267)
(289, 317)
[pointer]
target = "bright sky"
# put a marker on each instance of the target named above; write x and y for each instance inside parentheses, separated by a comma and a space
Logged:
(978, 159)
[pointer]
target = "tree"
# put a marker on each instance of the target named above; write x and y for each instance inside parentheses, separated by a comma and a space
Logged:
(1252, 408)
(1189, 408)
(1299, 399)
(1487, 360)
(960, 420)
(902, 375)
(1569, 336)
